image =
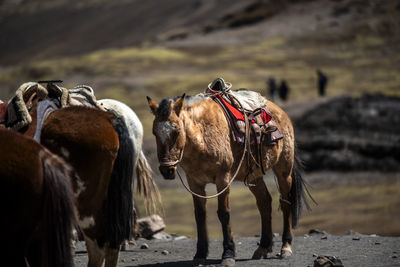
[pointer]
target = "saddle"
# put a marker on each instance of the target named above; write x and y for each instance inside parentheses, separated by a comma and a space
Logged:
(16, 114)
(246, 111)
(263, 125)
(59, 97)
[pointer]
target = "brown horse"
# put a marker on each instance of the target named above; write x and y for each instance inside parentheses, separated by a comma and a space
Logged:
(194, 132)
(36, 203)
(97, 144)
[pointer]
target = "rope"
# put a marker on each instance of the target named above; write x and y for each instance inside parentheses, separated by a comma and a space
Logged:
(246, 144)
(230, 182)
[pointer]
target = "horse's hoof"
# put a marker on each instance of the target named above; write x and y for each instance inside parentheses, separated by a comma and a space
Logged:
(228, 262)
(199, 262)
(286, 253)
(261, 253)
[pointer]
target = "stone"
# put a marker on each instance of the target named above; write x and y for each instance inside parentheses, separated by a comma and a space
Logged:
(316, 232)
(148, 226)
(327, 261)
(181, 237)
(144, 246)
(165, 252)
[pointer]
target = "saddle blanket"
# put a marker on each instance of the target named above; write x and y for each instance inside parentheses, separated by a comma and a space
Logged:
(260, 118)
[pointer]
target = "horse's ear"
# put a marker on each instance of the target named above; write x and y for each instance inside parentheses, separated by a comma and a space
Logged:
(179, 104)
(153, 105)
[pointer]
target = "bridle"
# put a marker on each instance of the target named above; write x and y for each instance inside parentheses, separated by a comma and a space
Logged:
(173, 163)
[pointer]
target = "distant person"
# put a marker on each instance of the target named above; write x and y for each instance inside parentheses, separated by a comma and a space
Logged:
(284, 90)
(272, 88)
(322, 81)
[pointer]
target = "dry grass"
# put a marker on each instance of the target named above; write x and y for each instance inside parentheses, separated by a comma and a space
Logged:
(132, 73)
(366, 209)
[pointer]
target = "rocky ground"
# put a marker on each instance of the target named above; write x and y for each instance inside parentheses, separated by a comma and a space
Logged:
(352, 250)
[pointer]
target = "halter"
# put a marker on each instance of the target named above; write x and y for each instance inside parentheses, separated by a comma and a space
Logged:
(172, 163)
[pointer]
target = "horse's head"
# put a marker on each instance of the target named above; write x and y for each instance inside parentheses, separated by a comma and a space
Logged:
(168, 128)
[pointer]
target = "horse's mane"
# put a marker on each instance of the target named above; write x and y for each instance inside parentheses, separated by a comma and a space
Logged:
(164, 108)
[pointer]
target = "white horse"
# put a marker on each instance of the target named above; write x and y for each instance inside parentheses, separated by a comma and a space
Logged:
(142, 167)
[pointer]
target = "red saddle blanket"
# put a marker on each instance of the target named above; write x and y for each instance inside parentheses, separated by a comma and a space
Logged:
(258, 117)
(266, 117)
(3, 112)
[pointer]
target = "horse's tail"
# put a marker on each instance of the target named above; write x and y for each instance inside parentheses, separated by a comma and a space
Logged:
(146, 185)
(298, 191)
(119, 202)
(58, 211)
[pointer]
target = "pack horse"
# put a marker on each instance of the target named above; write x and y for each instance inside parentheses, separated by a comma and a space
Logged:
(103, 151)
(193, 131)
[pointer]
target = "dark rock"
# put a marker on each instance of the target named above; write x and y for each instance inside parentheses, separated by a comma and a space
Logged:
(144, 246)
(351, 134)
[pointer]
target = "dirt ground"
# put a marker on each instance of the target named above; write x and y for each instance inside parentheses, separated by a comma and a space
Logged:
(353, 250)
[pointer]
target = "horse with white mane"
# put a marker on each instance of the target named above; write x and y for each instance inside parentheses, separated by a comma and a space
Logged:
(193, 132)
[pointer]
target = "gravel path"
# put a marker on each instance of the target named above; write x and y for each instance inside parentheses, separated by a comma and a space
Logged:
(353, 250)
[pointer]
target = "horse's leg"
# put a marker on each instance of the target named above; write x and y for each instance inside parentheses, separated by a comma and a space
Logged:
(228, 256)
(200, 215)
(264, 200)
(95, 253)
(283, 171)
(111, 257)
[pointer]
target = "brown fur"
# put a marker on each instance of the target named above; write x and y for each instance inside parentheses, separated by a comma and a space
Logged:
(87, 138)
(210, 155)
(36, 202)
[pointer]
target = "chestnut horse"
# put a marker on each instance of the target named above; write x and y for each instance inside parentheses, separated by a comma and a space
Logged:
(36, 203)
(194, 132)
(98, 145)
